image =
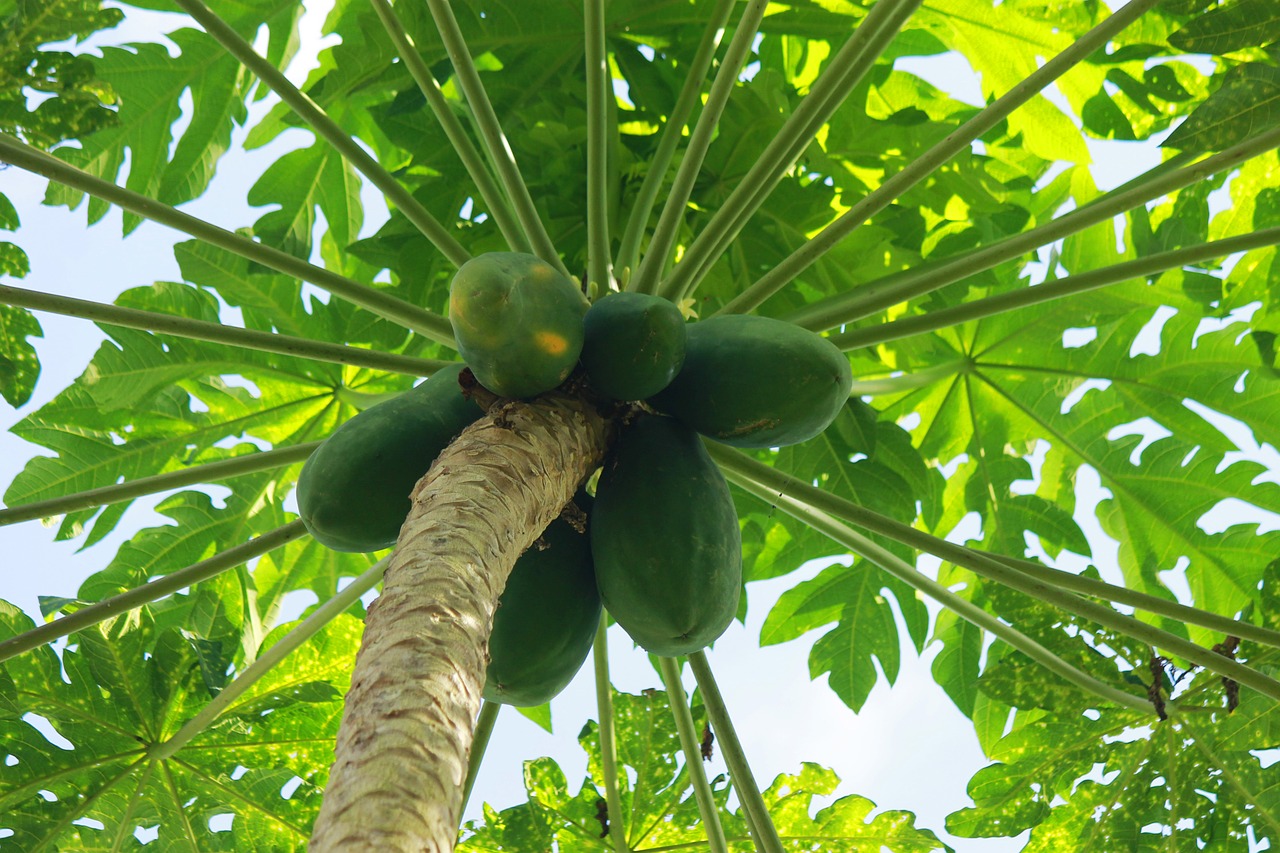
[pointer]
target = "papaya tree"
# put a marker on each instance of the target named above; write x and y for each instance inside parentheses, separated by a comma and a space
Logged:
(1004, 327)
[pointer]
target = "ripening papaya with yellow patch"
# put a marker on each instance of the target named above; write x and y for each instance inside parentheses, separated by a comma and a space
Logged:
(517, 321)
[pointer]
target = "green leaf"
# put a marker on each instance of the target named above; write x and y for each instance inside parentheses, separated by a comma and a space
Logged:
(1003, 45)
(127, 687)
(957, 665)
(154, 81)
(301, 182)
(854, 598)
(659, 808)
(1178, 784)
(98, 448)
(1244, 23)
(539, 714)
(1245, 105)
(75, 101)
(19, 365)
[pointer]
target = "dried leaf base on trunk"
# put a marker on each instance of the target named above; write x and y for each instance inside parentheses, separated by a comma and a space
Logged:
(396, 782)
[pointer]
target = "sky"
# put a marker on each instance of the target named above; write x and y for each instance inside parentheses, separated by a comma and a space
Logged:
(909, 748)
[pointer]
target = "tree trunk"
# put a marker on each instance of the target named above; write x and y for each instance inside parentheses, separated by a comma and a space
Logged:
(396, 781)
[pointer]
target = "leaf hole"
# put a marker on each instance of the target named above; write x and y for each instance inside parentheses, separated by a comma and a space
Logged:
(1076, 337)
(1149, 432)
(1147, 341)
(288, 789)
(1233, 512)
(45, 728)
(1078, 393)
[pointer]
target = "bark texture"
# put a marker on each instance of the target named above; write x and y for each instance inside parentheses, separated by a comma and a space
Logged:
(396, 782)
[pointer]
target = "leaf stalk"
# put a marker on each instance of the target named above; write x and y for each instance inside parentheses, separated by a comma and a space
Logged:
(209, 472)
(608, 746)
(992, 569)
(672, 131)
(495, 202)
(670, 669)
(1069, 286)
(664, 236)
(599, 89)
(842, 74)
(148, 592)
(270, 659)
(27, 157)
(891, 290)
(479, 743)
(325, 127)
(201, 330)
(754, 810)
(967, 610)
(495, 141)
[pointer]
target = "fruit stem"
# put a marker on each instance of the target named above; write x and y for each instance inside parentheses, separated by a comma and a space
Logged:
(201, 330)
(285, 646)
(670, 668)
(608, 748)
(754, 811)
(472, 160)
(845, 70)
(479, 742)
(672, 132)
(209, 472)
(138, 596)
(325, 127)
(664, 236)
(490, 130)
(1070, 286)
(427, 323)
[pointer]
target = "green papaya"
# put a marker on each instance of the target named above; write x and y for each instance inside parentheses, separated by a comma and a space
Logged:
(665, 539)
(546, 619)
(517, 321)
(353, 493)
(754, 381)
(633, 345)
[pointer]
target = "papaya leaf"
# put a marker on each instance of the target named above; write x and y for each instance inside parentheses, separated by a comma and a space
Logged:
(172, 168)
(79, 727)
(659, 807)
(19, 364)
(1004, 45)
(1244, 23)
(301, 182)
(866, 629)
(1246, 104)
(1176, 783)
(76, 101)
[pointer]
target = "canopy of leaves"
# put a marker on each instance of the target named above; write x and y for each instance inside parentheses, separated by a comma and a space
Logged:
(1155, 386)
(661, 813)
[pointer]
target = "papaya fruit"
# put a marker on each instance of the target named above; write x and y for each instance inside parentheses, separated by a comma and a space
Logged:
(665, 538)
(754, 381)
(633, 345)
(517, 321)
(546, 618)
(353, 492)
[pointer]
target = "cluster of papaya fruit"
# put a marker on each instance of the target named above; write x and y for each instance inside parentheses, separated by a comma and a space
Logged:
(662, 550)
